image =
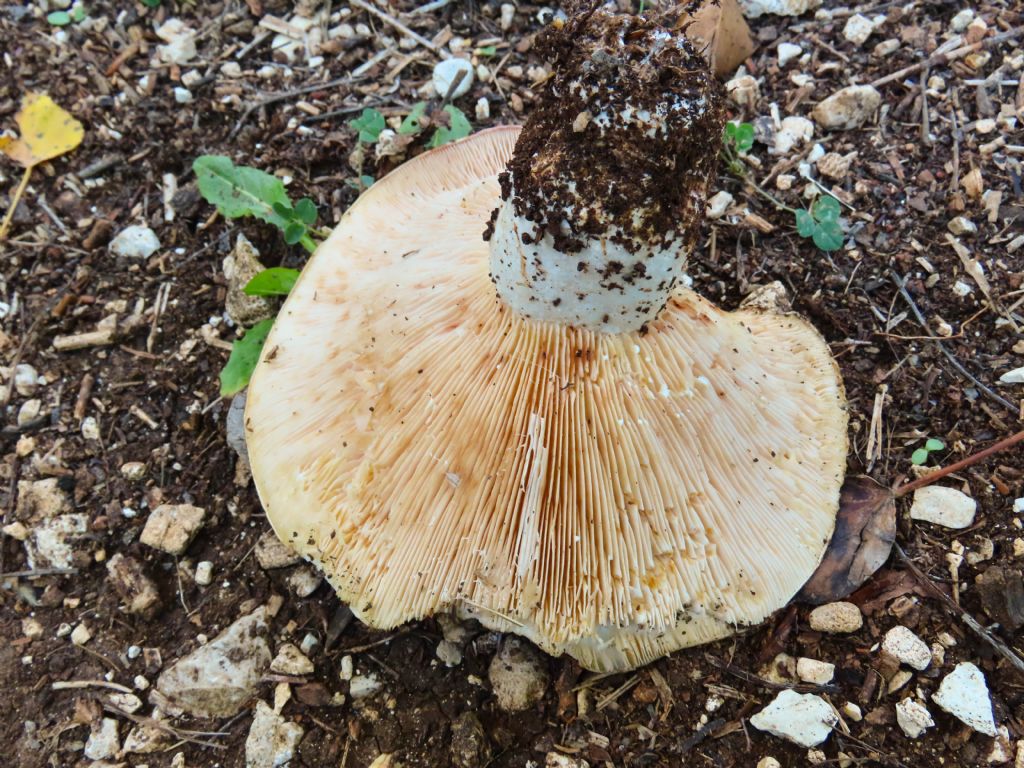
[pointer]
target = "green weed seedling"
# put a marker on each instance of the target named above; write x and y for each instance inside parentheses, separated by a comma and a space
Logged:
(370, 123)
(822, 224)
(63, 18)
(931, 445)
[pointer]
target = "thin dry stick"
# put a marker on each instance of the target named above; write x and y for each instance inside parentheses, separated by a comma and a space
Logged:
(1002, 445)
(998, 645)
(945, 58)
(14, 202)
(389, 19)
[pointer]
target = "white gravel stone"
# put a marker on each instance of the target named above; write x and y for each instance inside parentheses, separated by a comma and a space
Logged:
(362, 686)
(962, 20)
(449, 653)
(272, 739)
(482, 108)
(304, 581)
(913, 718)
(836, 618)
(1016, 376)
(794, 132)
(814, 671)
(943, 506)
(26, 379)
(961, 225)
(171, 527)
(852, 711)
(219, 678)
(787, 52)
(133, 470)
(964, 694)
(103, 741)
(743, 90)
(135, 242)
(902, 644)
(858, 29)
(848, 108)
(445, 72)
(768, 762)
(182, 95)
(508, 13)
(291, 661)
(754, 8)
(90, 428)
(803, 719)
(204, 573)
(718, 204)
(81, 635)
(29, 411)
(272, 553)
(886, 47)
(518, 675)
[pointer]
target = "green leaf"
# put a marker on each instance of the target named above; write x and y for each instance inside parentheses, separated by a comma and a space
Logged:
(731, 130)
(487, 50)
(242, 191)
(59, 18)
(933, 444)
(78, 13)
(411, 123)
(293, 232)
(245, 353)
(459, 128)
(305, 209)
(920, 456)
(828, 235)
(744, 138)
(151, 3)
(805, 223)
(369, 124)
(276, 281)
(826, 209)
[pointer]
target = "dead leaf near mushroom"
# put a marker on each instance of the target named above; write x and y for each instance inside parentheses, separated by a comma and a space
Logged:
(863, 538)
(721, 32)
(615, 497)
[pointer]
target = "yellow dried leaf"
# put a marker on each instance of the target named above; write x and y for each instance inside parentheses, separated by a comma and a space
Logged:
(47, 131)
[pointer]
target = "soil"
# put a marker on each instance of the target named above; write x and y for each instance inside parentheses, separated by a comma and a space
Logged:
(154, 392)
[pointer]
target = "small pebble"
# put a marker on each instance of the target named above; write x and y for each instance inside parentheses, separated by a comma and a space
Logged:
(903, 645)
(90, 429)
(836, 618)
(204, 573)
(961, 225)
(182, 95)
(943, 506)
(26, 379)
(913, 718)
(445, 72)
(483, 108)
(964, 694)
(81, 635)
(508, 12)
(133, 470)
(787, 52)
(718, 204)
(135, 242)
(960, 22)
(814, 671)
(803, 719)
(858, 29)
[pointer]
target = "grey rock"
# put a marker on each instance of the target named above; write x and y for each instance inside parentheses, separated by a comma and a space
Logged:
(219, 678)
(135, 242)
(848, 108)
(171, 527)
(234, 424)
(272, 553)
(518, 675)
(103, 740)
(241, 266)
(272, 740)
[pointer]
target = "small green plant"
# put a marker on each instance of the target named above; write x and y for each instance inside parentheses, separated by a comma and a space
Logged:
(370, 123)
(276, 281)
(931, 445)
(238, 190)
(487, 51)
(151, 3)
(63, 18)
(821, 223)
(245, 353)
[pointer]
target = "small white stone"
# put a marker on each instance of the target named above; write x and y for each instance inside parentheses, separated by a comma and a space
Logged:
(900, 679)
(784, 181)
(814, 671)
(754, 8)
(1002, 750)
(836, 618)
(133, 652)
(847, 108)
(743, 90)
(794, 132)
(943, 506)
(90, 429)
(816, 757)
(140, 682)
(346, 670)
(308, 644)
(962, 289)
(803, 719)
(787, 52)
(133, 470)
(768, 762)
(127, 702)
(204, 573)
(887, 47)
(1018, 547)
(304, 581)
(291, 661)
(858, 29)
(964, 694)
(81, 635)
(362, 686)
(961, 225)
(508, 13)
(445, 72)
(182, 95)
(449, 653)
(272, 739)
(718, 204)
(902, 644)
(483, 108)
(1016, 376)
(29, 411)
(852, 711)
(231, 69)
(191, 78)
(135, 242)
(913, 718)
(960, 22)
(103, 740)
(26, 379)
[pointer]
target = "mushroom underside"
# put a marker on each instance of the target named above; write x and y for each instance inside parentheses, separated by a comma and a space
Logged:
(611, 496)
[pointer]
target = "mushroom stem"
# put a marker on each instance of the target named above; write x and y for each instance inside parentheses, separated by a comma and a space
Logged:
(604, 195)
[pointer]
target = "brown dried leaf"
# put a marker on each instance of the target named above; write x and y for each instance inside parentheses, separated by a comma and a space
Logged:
(864, 535)
(722, 32)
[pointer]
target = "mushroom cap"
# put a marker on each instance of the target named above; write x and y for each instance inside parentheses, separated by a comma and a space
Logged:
(611, 496)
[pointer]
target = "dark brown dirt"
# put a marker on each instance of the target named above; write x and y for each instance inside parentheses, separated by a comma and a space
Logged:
(158, 403)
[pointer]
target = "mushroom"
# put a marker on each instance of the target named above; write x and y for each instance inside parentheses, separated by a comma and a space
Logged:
(545, 429)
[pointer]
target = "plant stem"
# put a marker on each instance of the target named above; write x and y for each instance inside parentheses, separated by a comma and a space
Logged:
(733, 162)
(14, 202)
(1002, 445)
(308, 243)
